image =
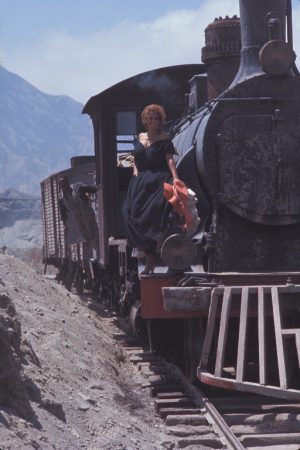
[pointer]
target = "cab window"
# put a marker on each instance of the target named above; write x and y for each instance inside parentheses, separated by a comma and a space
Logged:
(126, 130)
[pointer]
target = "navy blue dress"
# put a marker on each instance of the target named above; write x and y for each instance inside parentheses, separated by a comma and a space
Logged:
(145, 209)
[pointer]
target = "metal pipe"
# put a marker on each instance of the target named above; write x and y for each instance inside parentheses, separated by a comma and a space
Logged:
(255, 15)
(289, 20)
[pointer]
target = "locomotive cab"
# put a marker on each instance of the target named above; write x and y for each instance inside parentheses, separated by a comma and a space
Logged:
(115, 114)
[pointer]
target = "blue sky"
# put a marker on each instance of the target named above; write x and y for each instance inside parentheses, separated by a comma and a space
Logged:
(80, 47)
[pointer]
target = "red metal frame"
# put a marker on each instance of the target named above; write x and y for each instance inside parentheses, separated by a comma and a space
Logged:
(152, 306)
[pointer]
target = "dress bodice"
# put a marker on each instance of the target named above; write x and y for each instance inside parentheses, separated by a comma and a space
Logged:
(145, 209)
(153, 157)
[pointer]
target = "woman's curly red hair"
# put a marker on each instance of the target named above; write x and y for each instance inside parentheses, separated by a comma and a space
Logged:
(158, 109)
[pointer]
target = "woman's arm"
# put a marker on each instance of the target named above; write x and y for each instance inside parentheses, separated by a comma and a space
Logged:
(135, 171)
(172, 167)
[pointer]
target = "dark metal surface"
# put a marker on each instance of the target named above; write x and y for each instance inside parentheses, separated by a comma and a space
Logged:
(178, 252)
(254, 16)
(276, 57)
(259, 166)
(247, 155)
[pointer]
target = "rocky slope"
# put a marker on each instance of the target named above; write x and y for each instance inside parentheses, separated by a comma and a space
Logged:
(65, 383)
(39, 133)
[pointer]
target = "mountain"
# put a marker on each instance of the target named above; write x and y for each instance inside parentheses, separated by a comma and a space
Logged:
(20, 221)
(39, 133)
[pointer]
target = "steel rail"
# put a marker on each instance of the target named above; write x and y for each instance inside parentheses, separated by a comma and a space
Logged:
(221, 424)
(203, 402)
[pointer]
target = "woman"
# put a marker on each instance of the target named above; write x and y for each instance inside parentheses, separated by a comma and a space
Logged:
(145, 209)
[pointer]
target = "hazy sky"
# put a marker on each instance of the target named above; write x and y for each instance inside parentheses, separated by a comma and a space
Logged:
(80, 47)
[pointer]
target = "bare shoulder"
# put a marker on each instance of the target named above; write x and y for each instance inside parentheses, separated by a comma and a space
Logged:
(142, 137)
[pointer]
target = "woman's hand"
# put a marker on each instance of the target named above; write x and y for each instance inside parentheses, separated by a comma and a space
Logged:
(172, 166)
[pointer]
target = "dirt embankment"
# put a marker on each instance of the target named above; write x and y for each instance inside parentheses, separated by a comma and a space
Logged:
(64, 381)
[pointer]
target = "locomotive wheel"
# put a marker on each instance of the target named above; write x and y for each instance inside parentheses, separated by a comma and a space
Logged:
(69, 276)
(115, 291)
(104, 289)
(78, 282)
(137, 324)
(192, 346)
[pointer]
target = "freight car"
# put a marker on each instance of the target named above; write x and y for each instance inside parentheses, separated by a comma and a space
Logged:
(229, 296)
(64, 245)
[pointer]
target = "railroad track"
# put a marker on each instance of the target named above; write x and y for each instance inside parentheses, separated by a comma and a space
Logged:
(208, 417)
(259, 422)
(215, 418)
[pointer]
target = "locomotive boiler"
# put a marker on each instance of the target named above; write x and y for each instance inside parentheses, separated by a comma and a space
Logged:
(227, 299)
(245, 145)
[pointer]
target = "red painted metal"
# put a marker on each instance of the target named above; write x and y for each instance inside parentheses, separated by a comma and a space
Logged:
(152, 299)
(217, 382)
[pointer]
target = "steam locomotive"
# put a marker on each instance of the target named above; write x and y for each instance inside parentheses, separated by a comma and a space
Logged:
(229, 295)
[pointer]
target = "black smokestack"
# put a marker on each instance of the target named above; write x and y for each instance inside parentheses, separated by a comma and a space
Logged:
(261, 21)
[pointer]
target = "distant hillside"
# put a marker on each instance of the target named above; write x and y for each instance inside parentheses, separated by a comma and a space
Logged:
(20, 221)
(39, 133)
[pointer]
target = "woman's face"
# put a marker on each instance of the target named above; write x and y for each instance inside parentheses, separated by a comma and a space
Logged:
(153, 121)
